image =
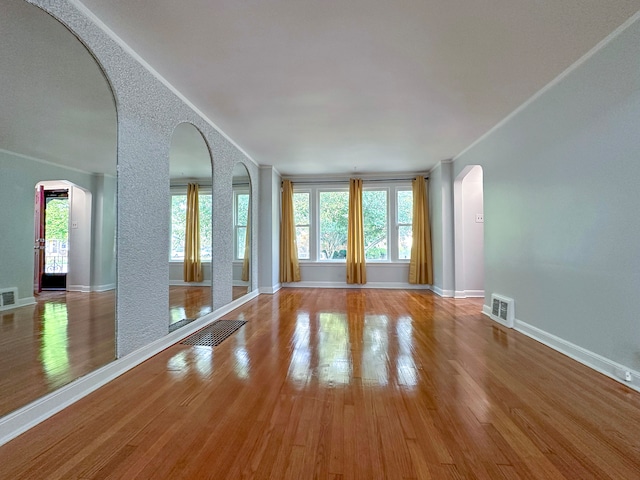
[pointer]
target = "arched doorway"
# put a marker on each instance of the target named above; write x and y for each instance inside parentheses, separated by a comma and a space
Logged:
(469, 232)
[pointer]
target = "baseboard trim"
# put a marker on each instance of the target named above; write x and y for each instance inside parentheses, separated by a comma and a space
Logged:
(442, 293)
(603, 365)
(383, 285)
(23, 302)
(269, 290)
(79, 288)
(182, 283)
(21, 420)
(469, 294)
(103, 288)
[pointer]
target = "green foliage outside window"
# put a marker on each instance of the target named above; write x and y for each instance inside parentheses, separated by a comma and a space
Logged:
(179, 225)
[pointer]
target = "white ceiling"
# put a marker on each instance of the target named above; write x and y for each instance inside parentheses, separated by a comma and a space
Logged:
(334, 86)
(325, 87)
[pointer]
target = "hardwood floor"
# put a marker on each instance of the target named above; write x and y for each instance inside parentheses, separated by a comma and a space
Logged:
(192, 302)
(47, 345)
(346, 384)
(189, 302)
(65, 336)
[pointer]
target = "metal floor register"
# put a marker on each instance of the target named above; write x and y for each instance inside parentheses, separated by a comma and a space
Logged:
(214, 334)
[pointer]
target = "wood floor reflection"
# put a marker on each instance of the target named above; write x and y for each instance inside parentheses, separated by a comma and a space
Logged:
(67, 335)
(192, 302)
(47, 345)
(346, 384)
(188, 302)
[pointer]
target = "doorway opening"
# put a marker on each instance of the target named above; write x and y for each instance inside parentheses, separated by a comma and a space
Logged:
(63, 237)
(468, 194)
(56, 239)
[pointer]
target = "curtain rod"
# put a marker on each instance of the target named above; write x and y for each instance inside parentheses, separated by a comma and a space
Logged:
(326, 182)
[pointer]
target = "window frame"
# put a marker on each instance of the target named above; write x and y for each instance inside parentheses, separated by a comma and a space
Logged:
(374, 188)
(238, 191)
(317, 231)
(308, 225)
(203, 190)
(314, 191)
(398, 224)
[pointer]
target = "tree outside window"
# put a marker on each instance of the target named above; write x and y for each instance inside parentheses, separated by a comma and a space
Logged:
(405, 223)
(374, 217)
(334, 214)
(179, 225)
(241, 216)
(301, 219)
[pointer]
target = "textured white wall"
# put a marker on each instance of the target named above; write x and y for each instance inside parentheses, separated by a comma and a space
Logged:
(560, 196)
(148, 111)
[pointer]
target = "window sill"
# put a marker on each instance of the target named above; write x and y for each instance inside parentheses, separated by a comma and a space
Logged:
(335, 263)
(180, 262)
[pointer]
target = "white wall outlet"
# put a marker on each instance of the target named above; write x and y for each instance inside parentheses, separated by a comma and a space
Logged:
(627, 376)
(74, 224)
(479, 217)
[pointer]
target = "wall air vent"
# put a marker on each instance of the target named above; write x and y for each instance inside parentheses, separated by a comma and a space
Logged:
(502, 310)
(8, 298)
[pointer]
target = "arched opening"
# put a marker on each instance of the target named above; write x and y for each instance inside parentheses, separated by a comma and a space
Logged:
(190, 268)
(241, 267)
(469, 232)
(59, 126)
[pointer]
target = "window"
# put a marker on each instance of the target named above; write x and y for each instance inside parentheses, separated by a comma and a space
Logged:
(374, 217)
(301, 218)
(321, 217)
(240, 220)
(405, 223)
(334, 214)
(179, 225)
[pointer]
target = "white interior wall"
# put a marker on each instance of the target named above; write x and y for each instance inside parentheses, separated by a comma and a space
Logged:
(442, 228)
(19, 178)
(333, 275)
(103, 272)
(276, 182)
(79, 276)
(472, 205)
(560, 189)
(176, 274)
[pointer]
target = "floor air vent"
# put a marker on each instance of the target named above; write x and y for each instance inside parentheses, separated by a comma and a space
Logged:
(502, 310)
(214, 334)
(8, 298)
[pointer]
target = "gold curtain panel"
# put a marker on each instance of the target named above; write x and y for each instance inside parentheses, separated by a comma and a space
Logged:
(356, 267)
(421, 265)
(192, 266)
(289, 266)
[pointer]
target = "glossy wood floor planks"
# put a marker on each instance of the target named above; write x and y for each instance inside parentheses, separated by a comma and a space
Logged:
(341, 384)
(44, 346)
